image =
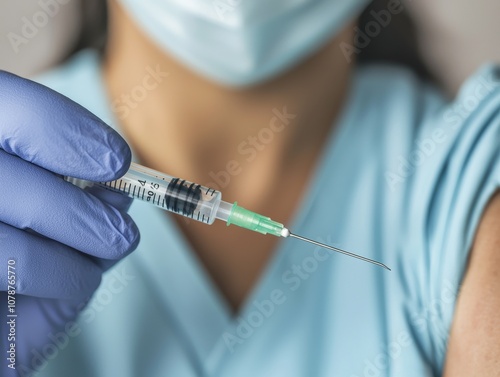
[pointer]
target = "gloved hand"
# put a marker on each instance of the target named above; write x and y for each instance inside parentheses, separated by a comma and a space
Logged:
(58, 237)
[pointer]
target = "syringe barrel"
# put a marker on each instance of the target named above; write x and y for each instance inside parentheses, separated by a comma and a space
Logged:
(169, 193)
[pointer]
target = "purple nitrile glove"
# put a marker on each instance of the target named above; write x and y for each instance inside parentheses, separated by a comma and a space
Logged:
(58, 237)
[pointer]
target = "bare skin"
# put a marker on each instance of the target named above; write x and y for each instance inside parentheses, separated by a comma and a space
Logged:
(189, 127)
(474, 346)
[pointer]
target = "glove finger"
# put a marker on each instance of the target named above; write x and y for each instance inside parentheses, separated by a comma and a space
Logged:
(34, 198)
(50, 130)
(45, 268)
(119, 201)
(122, 203)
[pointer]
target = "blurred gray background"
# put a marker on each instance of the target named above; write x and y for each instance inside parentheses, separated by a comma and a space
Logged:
(454, 37)
(457, 36)
(48, 42)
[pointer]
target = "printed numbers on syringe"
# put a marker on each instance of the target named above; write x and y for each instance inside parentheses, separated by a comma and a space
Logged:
(139, 190)
(151, 193)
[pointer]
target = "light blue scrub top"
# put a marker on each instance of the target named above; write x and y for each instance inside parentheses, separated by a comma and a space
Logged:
(403, 179)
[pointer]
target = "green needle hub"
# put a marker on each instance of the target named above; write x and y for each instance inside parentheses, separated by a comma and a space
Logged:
(253, 221)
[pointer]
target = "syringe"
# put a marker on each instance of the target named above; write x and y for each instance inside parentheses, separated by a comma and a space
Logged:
(198, 203)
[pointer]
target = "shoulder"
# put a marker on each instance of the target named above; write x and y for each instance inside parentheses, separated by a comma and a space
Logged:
(473, 348)
(447, 180)
(473, 345)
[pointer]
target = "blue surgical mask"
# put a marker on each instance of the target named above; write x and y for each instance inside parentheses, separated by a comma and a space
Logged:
(242, 42)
